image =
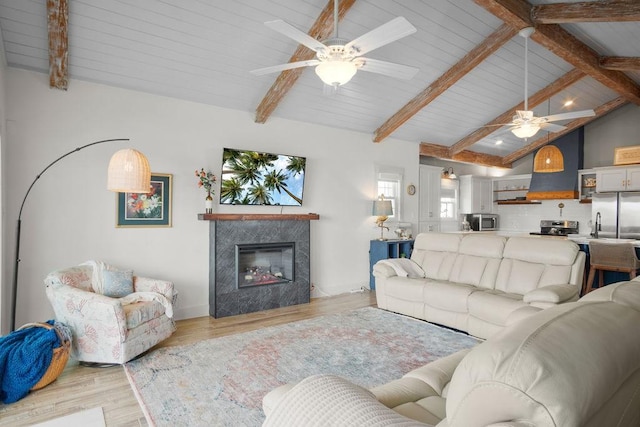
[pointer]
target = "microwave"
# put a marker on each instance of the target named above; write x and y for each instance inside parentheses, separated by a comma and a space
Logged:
(482, 221)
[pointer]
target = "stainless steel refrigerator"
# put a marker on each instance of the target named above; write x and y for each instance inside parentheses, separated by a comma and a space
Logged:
(619, 214)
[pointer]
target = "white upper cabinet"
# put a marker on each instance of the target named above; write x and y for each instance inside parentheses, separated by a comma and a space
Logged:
(618, 179)
(476, 194)
(429, 215)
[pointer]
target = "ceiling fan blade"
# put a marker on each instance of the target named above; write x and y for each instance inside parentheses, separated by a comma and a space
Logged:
(393, 30)
(388, 68)
(292, 32)
(282, 67)
(550, 127)
(569, 116)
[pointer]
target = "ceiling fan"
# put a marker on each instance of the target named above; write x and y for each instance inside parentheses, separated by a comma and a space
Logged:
(338, 59)
(524, 124)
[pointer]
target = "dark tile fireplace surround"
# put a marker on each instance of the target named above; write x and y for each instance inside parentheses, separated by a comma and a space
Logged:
(226, 231)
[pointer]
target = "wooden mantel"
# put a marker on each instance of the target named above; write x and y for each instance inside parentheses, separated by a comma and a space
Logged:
(258, 217)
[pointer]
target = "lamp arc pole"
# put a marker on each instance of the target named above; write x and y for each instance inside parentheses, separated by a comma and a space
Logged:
(19, 226)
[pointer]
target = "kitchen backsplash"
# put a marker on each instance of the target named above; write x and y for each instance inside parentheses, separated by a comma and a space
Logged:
(526, 217)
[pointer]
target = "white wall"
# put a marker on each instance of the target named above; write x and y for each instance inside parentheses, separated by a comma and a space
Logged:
(70, 217)
(620, 128)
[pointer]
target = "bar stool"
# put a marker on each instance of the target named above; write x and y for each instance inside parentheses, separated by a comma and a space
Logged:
(609, 256)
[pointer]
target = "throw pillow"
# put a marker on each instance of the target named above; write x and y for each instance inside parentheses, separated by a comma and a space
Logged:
(117, 283)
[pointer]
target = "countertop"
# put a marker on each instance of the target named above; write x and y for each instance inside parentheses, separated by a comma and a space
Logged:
(578, 238)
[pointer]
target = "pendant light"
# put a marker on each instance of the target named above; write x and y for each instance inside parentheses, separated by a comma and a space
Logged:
(548, 159)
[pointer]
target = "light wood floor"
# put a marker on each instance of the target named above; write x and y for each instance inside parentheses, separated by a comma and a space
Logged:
(80, 387)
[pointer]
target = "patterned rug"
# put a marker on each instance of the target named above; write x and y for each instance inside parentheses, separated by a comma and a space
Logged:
(221, 381)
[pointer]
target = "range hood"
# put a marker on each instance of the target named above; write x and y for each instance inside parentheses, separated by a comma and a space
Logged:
(560, 185)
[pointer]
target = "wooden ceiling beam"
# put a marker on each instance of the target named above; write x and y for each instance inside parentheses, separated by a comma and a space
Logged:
(517, 13)
(466, 156)
(599, 11)
(571, 126)
(321, 30)
(57, 23)
(536, 99)
(471, 60)
(620, 63)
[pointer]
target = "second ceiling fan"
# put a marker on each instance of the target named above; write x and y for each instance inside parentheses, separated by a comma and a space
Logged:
(524, 124)
(338, 59)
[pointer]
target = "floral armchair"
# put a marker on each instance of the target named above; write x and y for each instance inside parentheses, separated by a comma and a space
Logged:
(109, 329)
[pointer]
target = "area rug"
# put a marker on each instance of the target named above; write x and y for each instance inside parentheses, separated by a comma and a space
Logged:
(221, 381)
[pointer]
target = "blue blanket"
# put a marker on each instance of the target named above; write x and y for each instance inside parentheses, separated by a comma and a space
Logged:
(25, 356)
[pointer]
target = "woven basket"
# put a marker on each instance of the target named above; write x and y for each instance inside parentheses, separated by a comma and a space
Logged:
(58, 359)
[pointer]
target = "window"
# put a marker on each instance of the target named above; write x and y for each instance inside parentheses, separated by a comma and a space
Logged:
(389, 183)
(448, 199)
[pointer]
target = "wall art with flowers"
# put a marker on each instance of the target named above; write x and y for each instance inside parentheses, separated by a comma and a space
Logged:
(152, 209)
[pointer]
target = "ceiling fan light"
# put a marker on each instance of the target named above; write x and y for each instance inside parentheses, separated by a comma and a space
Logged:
(526, 130)
(548, 159)
(336, 73)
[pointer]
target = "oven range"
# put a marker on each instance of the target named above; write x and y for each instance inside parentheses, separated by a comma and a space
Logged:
(549, 227)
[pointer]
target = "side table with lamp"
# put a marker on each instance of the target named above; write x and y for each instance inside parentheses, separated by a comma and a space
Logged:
(383, 248)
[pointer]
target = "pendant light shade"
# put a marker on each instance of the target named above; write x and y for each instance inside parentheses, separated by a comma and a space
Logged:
(129, 172)
(548, 159)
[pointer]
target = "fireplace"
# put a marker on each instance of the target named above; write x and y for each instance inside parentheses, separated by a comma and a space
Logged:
(260, 264)
(273, 249)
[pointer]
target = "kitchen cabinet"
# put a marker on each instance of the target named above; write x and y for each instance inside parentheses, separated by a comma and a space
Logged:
(429, 214)
(586, 185)
(617, 179)
(476, 194)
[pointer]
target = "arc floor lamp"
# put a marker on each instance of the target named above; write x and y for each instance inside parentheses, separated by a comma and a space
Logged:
(128, 172)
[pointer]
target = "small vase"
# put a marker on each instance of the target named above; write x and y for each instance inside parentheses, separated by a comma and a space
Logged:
(208, 204)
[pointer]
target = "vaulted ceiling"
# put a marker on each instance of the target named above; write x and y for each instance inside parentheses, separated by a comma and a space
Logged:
(468, 52)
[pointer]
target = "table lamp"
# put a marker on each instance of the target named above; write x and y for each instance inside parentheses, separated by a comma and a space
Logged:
(382, 209)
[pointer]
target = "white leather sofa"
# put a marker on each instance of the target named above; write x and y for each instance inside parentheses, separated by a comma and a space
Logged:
(479, 283)
(573, 365)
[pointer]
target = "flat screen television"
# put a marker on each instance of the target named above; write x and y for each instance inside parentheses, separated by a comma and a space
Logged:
(257, 178)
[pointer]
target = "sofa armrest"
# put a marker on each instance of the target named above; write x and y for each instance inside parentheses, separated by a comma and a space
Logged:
(552, 294)
(146, 284)
(383, 270)
(438, 373)
(328, 400)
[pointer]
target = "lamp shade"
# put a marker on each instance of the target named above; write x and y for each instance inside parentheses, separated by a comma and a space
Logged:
(129, 172)
(548, 159)
(336, 73)
(526, 130)
(382, 208)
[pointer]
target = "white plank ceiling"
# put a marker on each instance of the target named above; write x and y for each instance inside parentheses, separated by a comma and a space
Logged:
(203, 50)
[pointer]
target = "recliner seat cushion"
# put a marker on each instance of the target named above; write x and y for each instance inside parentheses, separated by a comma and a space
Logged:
(447, 295)
(494, 306)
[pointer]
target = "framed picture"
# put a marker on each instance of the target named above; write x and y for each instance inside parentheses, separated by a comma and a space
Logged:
(626, 155)
(152, 209)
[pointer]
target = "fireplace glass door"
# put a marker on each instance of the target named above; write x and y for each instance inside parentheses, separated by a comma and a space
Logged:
(260, 264)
